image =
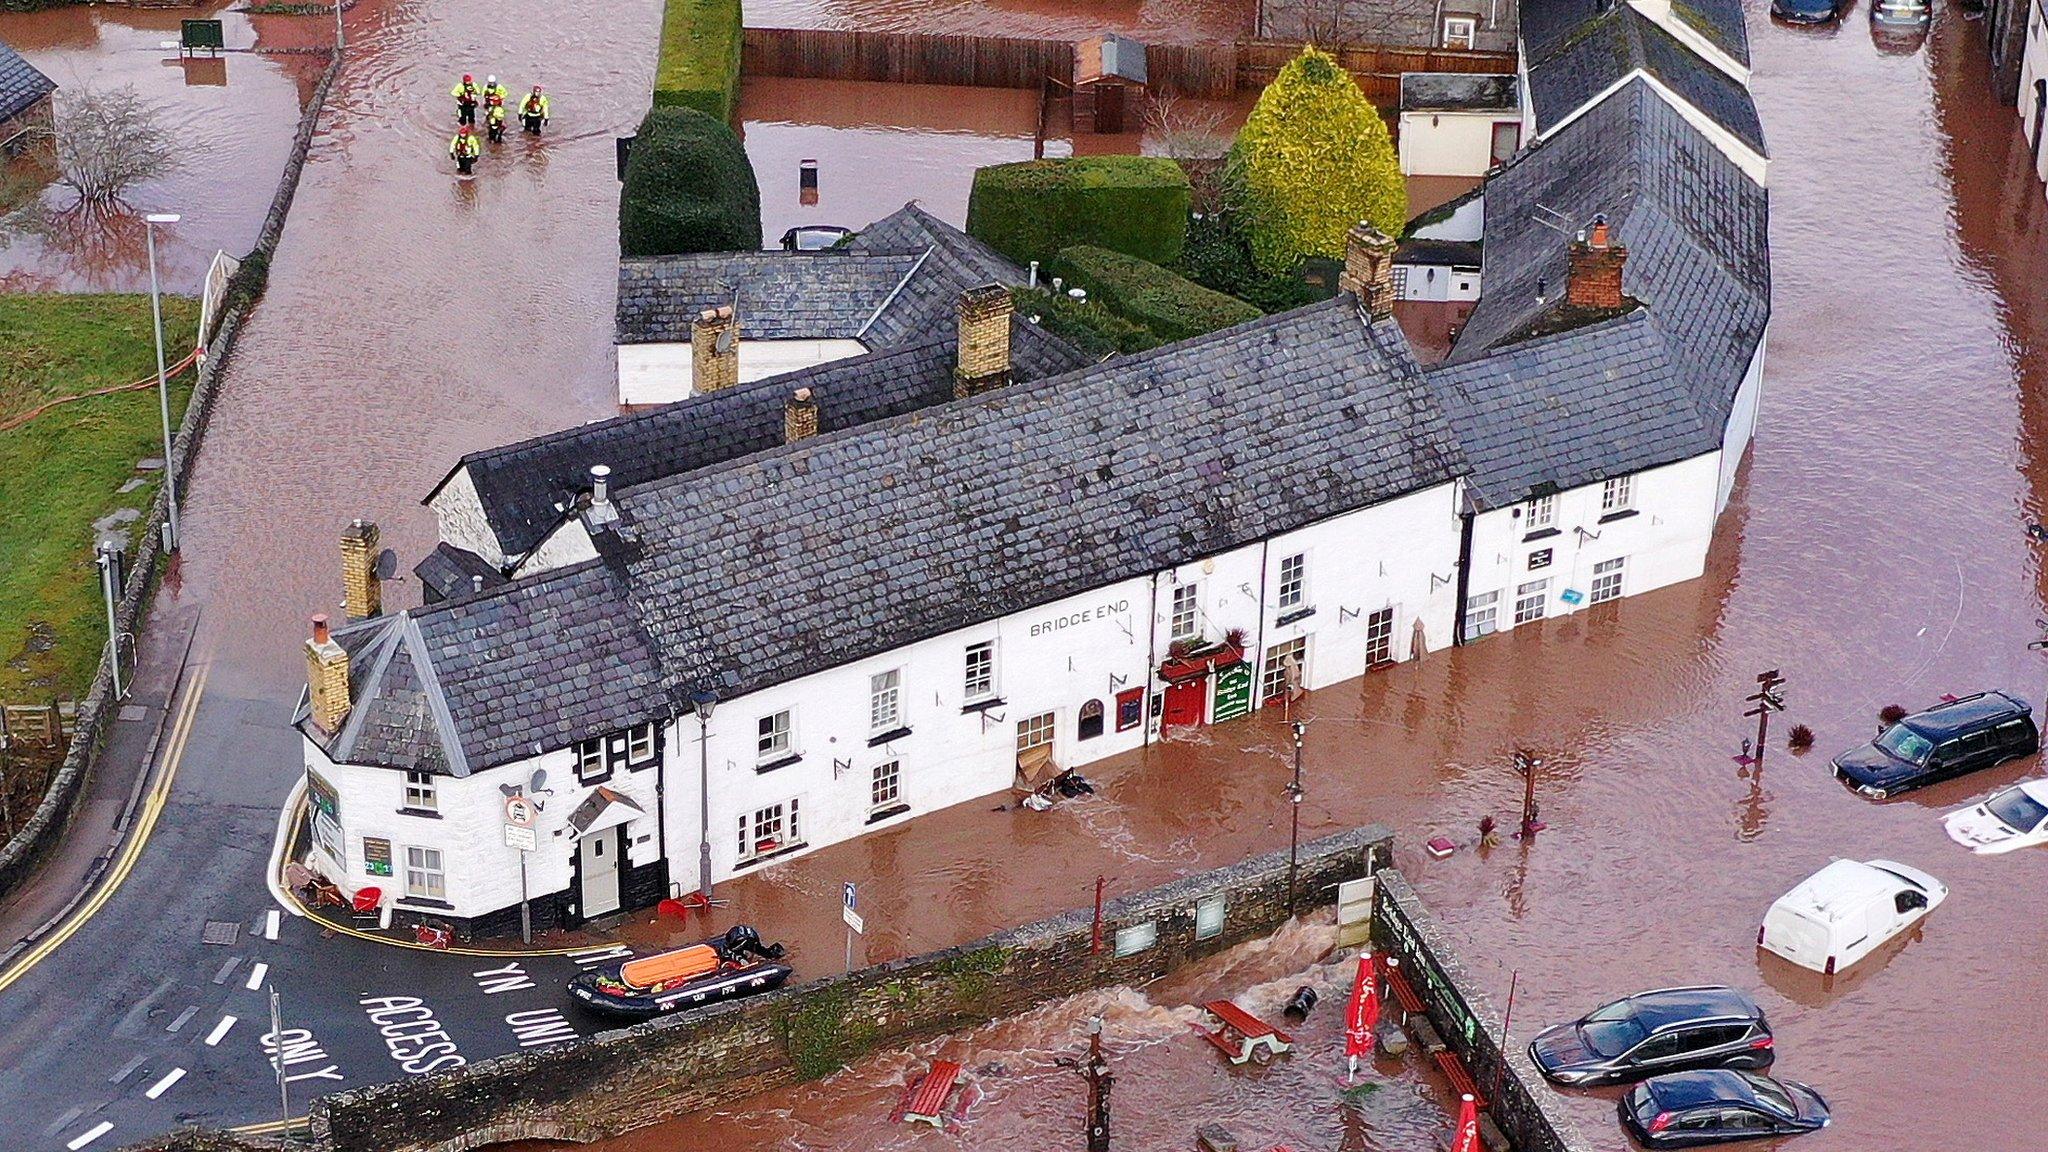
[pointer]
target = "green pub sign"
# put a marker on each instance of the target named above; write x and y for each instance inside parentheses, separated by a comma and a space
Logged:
(1233, 692)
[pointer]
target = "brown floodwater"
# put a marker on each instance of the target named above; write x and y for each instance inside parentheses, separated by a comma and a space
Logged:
(232, 117)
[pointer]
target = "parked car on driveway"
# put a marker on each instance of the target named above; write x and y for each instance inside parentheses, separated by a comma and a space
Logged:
(1949, 739)
(1686, 1109)
(1841, 913)
(2013, 818)
(1806, 11)
(1666, 1030)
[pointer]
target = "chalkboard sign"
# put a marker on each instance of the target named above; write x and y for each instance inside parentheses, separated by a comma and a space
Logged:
(376, 856)
(201, 34)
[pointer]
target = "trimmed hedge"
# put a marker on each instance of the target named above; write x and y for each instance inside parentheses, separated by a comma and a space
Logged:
(1219, 256)
(1137, 205)
(1091, 327)
(1161, 300)
(689, 188)
(699, 65)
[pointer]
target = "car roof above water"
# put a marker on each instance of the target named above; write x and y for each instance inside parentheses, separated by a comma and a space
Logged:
(1841, 888)
(1670, 1006)
(1676, 1090)
(1967, 714)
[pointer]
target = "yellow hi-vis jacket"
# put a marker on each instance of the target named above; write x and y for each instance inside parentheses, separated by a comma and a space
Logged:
(466, 93)
(497, 90)
(462, 146)
(495, 115)
(534, 106)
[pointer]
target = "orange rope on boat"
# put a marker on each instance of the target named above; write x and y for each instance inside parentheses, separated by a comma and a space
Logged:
(139, 385)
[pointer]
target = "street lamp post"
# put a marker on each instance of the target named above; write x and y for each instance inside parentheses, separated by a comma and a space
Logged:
(163, 386)
(109, 561)
(703, 701)
(1294, 797)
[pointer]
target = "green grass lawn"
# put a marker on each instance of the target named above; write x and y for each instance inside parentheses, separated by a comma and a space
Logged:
(60, 471)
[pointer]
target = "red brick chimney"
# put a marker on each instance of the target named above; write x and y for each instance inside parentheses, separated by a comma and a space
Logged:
(1595, 270)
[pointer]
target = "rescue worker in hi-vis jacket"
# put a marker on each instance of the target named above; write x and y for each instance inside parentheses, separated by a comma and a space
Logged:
(466, 97)
(465, 148)
(533, 111)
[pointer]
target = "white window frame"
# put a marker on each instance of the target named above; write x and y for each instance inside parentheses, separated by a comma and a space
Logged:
(1184, 621)
(783, 815)
(641, 744)
(1539, 513)
(1469, 33)
(1608, 577)
(775, 735)
(421, 795)
(885, 785)
(1273, 671)
(980, 686)
(426, 873)
(1379, 649)
(1534, 593)
(1031, 728)
(1482, 614)
(885, 701)
(1617, 494)
(1293, 587)
(590, 765)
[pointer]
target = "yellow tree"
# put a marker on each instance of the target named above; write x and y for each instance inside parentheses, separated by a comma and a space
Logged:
(1314, 158)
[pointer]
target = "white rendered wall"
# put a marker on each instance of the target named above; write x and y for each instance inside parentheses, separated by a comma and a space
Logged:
(660, 373)
(459, 514)
(1450, 143)
(1741, 422)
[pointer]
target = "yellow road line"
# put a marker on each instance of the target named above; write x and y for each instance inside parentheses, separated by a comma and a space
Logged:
(131, 850)
(271, 1127)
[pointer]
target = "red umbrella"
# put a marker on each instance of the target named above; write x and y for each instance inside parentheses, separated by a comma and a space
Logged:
(1467, 1137)
(1361, 1014)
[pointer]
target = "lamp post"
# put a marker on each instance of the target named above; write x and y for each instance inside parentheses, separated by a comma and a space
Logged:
(163, 387)
(703, 701)
(1294, 797)
(109, 561)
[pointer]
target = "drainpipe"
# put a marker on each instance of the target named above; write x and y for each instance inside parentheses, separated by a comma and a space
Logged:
(1258, 653)
(1151, 653)
(661, 802)
(1465, 519)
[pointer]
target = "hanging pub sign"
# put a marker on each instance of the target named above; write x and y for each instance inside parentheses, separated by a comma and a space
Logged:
(376, 856)
(1233, 693)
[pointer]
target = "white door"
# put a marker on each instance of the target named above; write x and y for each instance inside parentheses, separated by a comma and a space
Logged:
(597, 857)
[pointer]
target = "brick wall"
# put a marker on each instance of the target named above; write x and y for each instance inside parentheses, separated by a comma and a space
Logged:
(1525, 1109)
(665, 1068)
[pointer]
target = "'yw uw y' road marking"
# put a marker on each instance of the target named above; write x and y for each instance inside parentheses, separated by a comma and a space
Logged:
(510, 978)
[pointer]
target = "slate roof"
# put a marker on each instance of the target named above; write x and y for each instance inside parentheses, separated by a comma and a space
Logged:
(472, 683)
(1398, 23)
(916, 526)
(1599, 53)
(1720, 21)
(1547, 24)
(1457, 92)
(1696, 230)
(21, 84)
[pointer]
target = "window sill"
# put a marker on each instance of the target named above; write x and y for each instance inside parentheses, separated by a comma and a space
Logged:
(892, 734)
(1291, 617)
(981, 705)
(425, 902)
(771, 765)
(644, 765)
(764, 857)
(1542, 534)
(429, 813)
(593, 781)
(1624, 514)
(881, 814)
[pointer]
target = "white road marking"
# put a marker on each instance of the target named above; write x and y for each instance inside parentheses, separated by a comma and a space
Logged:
(184, 1018)
(221, 977)
(510, 978)
(95, 1132)
(256, 976)
(126, 1071)
(270, 924)
(164, 1085)
(540, 1027)
(591, 957)
(219, 1030)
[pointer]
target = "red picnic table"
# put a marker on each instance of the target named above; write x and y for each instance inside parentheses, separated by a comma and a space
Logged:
(1243, 1036)
(926, 1100)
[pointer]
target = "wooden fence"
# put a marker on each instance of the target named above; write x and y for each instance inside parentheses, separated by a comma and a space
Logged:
(906, 57)
(1377, 69)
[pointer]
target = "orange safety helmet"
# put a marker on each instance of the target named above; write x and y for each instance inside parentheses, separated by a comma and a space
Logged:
(465, 131)
(536, 89)
(468, 79)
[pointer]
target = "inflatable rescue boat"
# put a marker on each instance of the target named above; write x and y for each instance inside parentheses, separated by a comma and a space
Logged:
(726, 968)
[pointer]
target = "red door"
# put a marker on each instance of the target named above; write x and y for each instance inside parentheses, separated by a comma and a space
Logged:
(1185, 704)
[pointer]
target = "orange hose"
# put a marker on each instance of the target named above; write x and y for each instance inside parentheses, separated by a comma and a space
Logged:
(139, 385)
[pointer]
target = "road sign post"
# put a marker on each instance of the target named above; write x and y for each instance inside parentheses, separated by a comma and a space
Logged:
(854, 923)
(284, 1086)
(519, 816)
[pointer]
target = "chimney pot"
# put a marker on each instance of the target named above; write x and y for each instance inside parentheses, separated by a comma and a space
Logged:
(476, 584)
(320, 633)
(1594, 265)
(984, 356)
(799, 417)
(1368, 271)
(362, 590)
(600, 483)
(713, 367)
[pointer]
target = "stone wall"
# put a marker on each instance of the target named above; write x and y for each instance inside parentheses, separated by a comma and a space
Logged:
(664, 1068)
(25, 851)
(1525, 1109)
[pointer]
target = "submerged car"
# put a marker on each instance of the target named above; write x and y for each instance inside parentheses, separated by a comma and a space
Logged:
(1806, 11)
(2014, 818)
(1843, 912)
(1667, 1030)
(1954, 737)
(1686, 1109)
(1901, 15)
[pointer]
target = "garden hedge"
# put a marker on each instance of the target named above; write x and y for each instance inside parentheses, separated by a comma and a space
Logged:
(1137, 205)
(1170, 305)
(1087, 325)
(689, 188)
(700, 57)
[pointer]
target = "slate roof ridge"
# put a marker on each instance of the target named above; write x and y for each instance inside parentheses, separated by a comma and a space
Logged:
(430, 687)
(893, 293)
(382, 649)
(1622, 42)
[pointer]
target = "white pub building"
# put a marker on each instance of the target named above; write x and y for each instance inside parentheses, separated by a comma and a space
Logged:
(962, 558)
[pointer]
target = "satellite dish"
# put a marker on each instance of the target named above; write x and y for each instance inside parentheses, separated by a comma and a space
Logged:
(539, 783)
(509, 789)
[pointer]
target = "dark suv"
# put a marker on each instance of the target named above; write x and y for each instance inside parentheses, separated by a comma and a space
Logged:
(1667, 1030)
(1949, 739)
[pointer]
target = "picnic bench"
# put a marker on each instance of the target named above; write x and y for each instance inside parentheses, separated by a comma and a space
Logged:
(1404, 995)
(1461, 1080)
(926, 1100)
(1243, 1036)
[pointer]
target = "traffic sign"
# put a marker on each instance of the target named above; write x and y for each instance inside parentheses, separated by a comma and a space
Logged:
(520, 812)
(852, 899)
(523, 839)
(853, 920)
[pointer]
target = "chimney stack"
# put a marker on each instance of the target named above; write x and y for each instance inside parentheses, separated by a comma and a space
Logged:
(362, 592)
(799, 417)
(1595, 270)
(602, 513)
(984, 363)
(1368, 271)
(327, 678)
(715, 349)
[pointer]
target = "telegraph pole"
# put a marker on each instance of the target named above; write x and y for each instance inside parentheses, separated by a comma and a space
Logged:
(1294, 798)
(1768, 698)
(1527, 763)
(1099, 1082)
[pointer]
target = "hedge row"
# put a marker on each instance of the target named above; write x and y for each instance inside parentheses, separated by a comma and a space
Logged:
(1087, 325)
(700, 57)
(1137, 205)
(689, 188)
(1164, 302)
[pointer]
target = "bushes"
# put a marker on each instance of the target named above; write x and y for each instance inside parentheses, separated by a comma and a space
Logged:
(700, 57)
(1090, 327)
(1314, 159)
(1137, 205)
(1219, 256)
(1169, 305)
(689, 188)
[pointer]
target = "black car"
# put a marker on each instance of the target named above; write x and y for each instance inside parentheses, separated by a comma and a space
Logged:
(1651, 1032)
(1716, 1105)
(1949, 739)
(1806, 11)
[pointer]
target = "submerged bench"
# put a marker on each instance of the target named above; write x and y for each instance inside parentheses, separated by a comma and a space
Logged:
(926, 1100)
(1244, 1036)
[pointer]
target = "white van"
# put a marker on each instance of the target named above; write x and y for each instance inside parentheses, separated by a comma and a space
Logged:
(1841, 913)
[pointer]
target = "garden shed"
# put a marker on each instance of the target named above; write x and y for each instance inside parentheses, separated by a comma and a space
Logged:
(1109, 84)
